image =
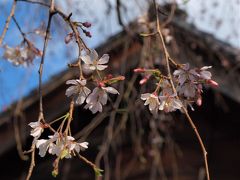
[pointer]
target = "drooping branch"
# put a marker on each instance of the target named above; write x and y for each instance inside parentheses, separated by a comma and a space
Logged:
(8, 21)
(167, 57)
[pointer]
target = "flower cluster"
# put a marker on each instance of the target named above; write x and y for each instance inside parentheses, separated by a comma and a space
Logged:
(189, 87)
(162, 100)
(23, 54)
(190, 82)
(58, 144)
(98, 97)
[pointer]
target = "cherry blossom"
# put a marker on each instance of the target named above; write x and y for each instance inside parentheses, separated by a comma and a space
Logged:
(151, 100)
(166, 87)
(170, 103)
(98, 98)
(205, 74)
(45, 145)
(21, 55)
(185, 74)
(187, 89)
(37, 129)
(59, 145)
(14, 55)
(190, 80)
(93, 62)
(79, 88)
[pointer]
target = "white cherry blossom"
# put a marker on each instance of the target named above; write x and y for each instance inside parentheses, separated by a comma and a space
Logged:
(187, 89)
(14, 55)
(151, 100)
(22, 54)
(204, 74)
(59, 145)
(185, 74)
(170, 103)
(98, 98)
(45, 145)
(79, 88)
(92, 61)
(37, 129)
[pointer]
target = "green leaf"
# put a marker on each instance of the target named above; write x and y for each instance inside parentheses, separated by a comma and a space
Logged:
(55, 173)
(98, 172)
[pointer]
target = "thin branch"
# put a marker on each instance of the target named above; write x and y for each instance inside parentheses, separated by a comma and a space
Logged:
(19, 28)
(167, 57)
(30, 170)
(8, 21)
(51, 13)
(40, 116)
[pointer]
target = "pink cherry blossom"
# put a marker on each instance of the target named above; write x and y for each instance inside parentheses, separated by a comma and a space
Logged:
(37, 129)
(79, 89)
(169, 103)
(98, 98)
(151, 100)
(92, 62)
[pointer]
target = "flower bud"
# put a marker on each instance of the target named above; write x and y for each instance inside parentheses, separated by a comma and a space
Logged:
(212, 83)
(139, 70)
(121, 78)
(87, 33)
(143, 81)
(87, 24)
(101, 84)
(199, 101)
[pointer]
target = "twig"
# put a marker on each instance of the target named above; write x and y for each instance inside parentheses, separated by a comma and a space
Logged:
(70, 116)
(86, 161)
(30, 170)
(8, 21)
(40, 116)
(51, 13)
(167, 57)
(19, 28)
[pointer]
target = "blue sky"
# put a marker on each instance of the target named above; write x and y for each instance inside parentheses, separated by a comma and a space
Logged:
(17, 82)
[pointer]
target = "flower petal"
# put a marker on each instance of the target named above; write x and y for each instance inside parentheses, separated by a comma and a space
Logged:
(145, 96)
(93, 55)
(111, 90)
(101, 67)
(72, 81)
(71, 91)
(86, 59)
(104, 59)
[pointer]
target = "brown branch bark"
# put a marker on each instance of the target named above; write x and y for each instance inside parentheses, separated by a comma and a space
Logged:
(167, 57)
(8, 21)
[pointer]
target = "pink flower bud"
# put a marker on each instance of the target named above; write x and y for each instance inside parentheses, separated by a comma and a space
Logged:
(199, 101)
(155, 93)
(120, 78)
(212, 83)
(139, 70)
(144, 80)
(87, 33)
(101, 84)
(87, 24)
